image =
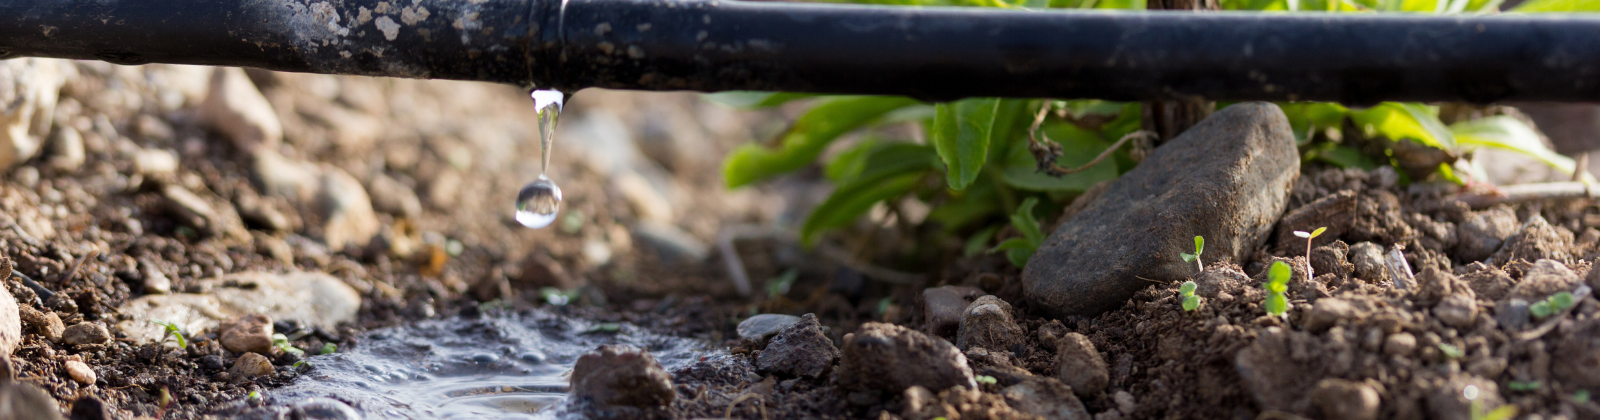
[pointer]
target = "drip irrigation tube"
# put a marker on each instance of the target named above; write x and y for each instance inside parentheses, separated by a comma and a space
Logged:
(928, 53)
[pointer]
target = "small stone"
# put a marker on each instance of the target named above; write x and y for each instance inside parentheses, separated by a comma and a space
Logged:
(1399, 344)
(886, 359)
(1220, 279)
(155, 163)
(212, 216)
(671, 242)
(1457, 310)
(312, 299)
(10, 321)
(621, 376)
(1545, 278)
(23, 400)
(29, 89)
(85, 333)
(60, 302)
(761, 327)
(1239, 166)
(346, 211)
(248, 333)
(1047, 398)
(1367, 258)
(154, 280)
(1270, 373)
(1080, 366)
(1481, 234)
(1344, 399)
(279, 176)
(943, 306)
(1331, 259)
(1125, 402)
(236, 108)
(51, 327)
(80, 372)
(1489, 282)
(393, 197)
(250, 365)
(987, 323)
(1536, 240)
(66, 149)
(800, 349)
(1327, 312)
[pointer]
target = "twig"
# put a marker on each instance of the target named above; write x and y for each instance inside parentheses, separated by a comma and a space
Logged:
(66, 276)
(761, 404)
(1054, 150)
(1527, 192)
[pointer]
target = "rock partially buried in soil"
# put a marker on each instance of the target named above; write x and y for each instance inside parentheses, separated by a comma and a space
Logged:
(1367, 258)
(312, 299)
(1271, 375)
(1080, 366)
(248, 333)
(250, 365)
(1457, 310)
(886, 359)
(1347, 400)
(29, 88)
(1328, 312)
(1047, 398)
(942, 308)
(800, 349)
(85, 333)
(10, 320)
(620, 376)
(987, 323)
(1227, 179)
(236, 108)
(80, 372)
(761, 327)
(1577, 356)
(1482, 233)
(1536, 240)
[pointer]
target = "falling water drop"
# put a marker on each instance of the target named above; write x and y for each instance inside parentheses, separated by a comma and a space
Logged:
(540, 200)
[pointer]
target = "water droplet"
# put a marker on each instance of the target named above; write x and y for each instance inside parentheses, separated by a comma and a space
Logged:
(540, 200)
(538, 203)
(1471, 392)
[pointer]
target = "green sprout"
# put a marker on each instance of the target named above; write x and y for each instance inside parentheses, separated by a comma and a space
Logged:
(1190, 301)
(1552, 305)
(282, 343)
(1199, 246)
(1310, 236)
(1277, 303)
(1451, 351)
(1018, 250)
(1523, 386)
(329, 348)
(171, 329)
(300, 363)
(1581, 396)
(987, 380)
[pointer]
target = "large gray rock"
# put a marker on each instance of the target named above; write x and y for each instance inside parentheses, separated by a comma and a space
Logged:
(308, 298)
(1227, 179)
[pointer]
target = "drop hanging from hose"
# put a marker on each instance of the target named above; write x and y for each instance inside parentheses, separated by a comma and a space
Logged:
(540, 200)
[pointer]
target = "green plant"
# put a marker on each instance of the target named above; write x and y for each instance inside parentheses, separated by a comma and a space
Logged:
(1199, 246)
(987, 380)
(1277, 303)
(171, 329)
(1581, 396)
(1523, 386)
(1190, 301)
(1451, 351)
(1475, 406)
(1309, 236)
(1552, 305)
(328, 348)
(282, 343)
(1019, 249)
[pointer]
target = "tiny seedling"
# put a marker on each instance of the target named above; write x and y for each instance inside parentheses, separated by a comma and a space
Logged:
(1190, 301)
(1310, 236)
(1199, 246)
(987, 380)
(1552, 305)
(1581, 396)
(300, 363)
(1018, 250)
(1277, 303)
(329, 348)
(556, 296)
(1523, 386)
(171, 329)
(1451, 351)
(282, 343)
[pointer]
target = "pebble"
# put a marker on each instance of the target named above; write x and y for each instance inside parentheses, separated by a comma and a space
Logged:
(154, 280)
(85, 333)
(10, 321)
(155, 163)
(987, 323)
(621, 376)
(1047, 398)
(942, 308)
(1481, 234)
(29, 88)
(1327, 312)
(393, 197)
(761, 327)
(885, 359)
(250, 365)
(51, 327)
(1080, 366)
(234, 107)
(66, 149)
(1345, 399)
(247, 333)
(1457, 310)
(800, 349)
(279, 176)
(1536, 240)
(1399, 344)
(200, 213)
(346, 211)
(312, 299)
(80, 372)
(1237, 169)
(1367, 257)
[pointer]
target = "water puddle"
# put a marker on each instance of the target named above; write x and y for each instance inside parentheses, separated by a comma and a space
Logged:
(512, 366)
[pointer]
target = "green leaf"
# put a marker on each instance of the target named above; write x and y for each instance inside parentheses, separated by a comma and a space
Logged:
(850, 162)
(1199, 245)
(1507, 133)
(888, 160)
(1019, 257)
(1342, 156)
(1541, 309)
(1187, 288)
(1187, 257)
(1318, 232)
(963, 208)
(975, 243)
(849, 202)
(1398, 121)
(1504, 412)
(1278, 274)
(745, 99)
(1558, 6)
(1078, 147)
(961, 132)
(1308, 117)
(1276, 304)
(1026, 224)
(1191, 302)
(807, 138)
(1561, 301)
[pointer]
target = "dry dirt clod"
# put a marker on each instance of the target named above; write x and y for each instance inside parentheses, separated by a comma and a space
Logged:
(1336, 212)
(761, 327)
(1457, 310)
(1481, 234)
(10, 322)
(80, 372)
(1328, 312)
(886, 359)
(621, 376)
(1080, 366)
(1536, 240)
(1577, 356)
(1270, 372)
(250, 365)
(800, 349)
(1545, 278)
(1367, 258)
(247, 333)
(987, 323)
(1343, 399)
(942, 308)
(85, 333)
(1237, 168)
(1399, 344)
(1487, 282)
(1047, 398)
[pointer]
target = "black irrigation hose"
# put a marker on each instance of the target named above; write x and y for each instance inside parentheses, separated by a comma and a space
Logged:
(929, 53)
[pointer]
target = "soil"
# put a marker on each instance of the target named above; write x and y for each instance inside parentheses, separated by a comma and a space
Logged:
(1226, 360)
